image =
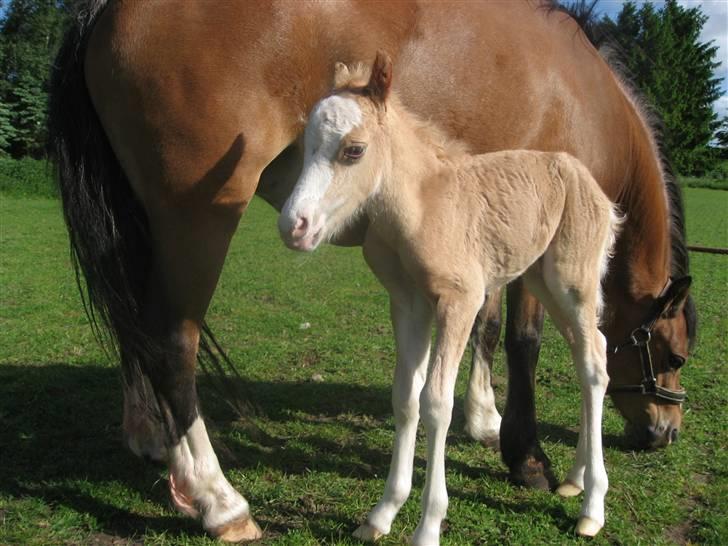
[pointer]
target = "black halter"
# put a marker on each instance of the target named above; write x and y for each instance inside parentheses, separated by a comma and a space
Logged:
(640, 338)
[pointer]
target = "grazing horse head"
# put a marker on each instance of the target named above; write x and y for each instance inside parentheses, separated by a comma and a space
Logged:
(648, 361)
(343, 159)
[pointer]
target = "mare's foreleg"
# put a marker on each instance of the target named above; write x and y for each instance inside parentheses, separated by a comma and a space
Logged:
(520, 448)
(482, 420)
(455, 317)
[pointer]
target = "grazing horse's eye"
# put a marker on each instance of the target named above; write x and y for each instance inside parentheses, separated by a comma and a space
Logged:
(354, 152)
(676, 361)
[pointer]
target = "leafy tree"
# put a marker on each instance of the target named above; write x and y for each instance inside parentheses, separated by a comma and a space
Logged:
(665, 59)
(30, 35)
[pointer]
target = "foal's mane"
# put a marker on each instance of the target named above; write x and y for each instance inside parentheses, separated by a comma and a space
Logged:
(583, 12)
(446, 148)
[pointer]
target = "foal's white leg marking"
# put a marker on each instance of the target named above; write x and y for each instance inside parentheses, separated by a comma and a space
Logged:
(436, 402)
(198, 486)
(482, 420)
(573, 484)
(412, 325)
(594, 381)
(576, 318)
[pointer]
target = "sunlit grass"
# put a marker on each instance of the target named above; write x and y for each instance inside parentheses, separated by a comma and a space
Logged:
(321, 464)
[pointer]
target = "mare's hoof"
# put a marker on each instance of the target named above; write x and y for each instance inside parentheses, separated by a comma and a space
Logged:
(533, 474)
(587, 527)
(242, 530)
(569, 489)
(180, 499)
(367, 533)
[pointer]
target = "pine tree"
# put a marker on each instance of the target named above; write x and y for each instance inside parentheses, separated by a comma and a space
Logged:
(31, 33)
(674, 70)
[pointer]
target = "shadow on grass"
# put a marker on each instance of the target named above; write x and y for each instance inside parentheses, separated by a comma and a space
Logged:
(61, 439)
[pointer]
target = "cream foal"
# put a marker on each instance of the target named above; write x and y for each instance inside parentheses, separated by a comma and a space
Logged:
(445, 229)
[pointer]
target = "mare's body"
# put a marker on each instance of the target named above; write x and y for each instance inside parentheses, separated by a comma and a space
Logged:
(167, 117)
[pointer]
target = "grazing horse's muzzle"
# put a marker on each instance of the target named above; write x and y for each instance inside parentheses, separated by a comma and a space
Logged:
(651, 437)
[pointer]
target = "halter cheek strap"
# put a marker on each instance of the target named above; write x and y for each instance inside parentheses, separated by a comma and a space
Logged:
(640, 338)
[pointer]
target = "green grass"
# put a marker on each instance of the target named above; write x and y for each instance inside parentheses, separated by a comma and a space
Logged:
(321, 464)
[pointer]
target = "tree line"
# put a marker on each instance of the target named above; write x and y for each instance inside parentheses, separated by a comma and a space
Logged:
(659, 48)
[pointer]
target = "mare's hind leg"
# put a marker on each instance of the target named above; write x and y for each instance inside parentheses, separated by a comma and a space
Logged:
(142, 420)
(191, 242)
(520, 449)
(482, 420)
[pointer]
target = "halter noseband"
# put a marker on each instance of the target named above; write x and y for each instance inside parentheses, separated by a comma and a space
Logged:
(640, 338)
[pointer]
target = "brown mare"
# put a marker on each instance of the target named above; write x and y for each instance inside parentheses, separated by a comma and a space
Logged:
(167, 117)
(445, 229)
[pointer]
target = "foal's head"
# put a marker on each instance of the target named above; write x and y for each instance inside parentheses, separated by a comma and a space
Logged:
(345, 155)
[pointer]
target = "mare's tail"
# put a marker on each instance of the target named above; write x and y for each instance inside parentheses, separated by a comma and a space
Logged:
(107, 226)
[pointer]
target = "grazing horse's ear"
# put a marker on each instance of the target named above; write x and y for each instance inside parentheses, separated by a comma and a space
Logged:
(381, 79)
(675, 296)
(341, 75)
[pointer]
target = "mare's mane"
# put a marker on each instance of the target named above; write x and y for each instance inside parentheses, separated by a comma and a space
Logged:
(583, 13)
(446, 148)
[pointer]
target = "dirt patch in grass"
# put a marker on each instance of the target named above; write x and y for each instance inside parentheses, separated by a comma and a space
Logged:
(104, 539)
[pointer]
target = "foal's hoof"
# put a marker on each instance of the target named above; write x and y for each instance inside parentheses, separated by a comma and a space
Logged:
(367, 533)
(569, 489)
(242, 530)
(587, 527)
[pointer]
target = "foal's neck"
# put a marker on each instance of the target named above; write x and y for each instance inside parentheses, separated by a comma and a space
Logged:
(419, 156)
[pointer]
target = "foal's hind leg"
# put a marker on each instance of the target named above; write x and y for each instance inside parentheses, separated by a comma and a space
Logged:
(482, 420)
(573, 308)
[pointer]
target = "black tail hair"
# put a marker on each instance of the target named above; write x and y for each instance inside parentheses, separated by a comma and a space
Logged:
(107, 226)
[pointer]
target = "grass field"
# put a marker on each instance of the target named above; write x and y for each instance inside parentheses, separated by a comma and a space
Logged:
(320, 464)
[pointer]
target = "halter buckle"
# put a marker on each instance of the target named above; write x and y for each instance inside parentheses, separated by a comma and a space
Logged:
(641, 336)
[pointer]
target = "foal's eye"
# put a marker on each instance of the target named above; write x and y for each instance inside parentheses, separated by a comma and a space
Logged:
(676, 361)
(354, 152)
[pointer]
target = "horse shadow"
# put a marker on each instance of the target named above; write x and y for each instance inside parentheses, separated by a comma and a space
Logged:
(62, 425)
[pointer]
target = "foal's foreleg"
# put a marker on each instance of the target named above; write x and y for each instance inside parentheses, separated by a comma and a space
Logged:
(482, 420)
(454, 320)
(412, 319)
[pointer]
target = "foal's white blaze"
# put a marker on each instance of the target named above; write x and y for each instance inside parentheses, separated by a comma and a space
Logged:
(198, 484)
(304, 214)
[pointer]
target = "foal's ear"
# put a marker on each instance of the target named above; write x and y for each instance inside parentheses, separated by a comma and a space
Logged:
(674, 298)
(341, 75)
(381, 79)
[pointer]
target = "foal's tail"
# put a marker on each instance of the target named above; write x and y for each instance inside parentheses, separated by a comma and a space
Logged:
(107, 226)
